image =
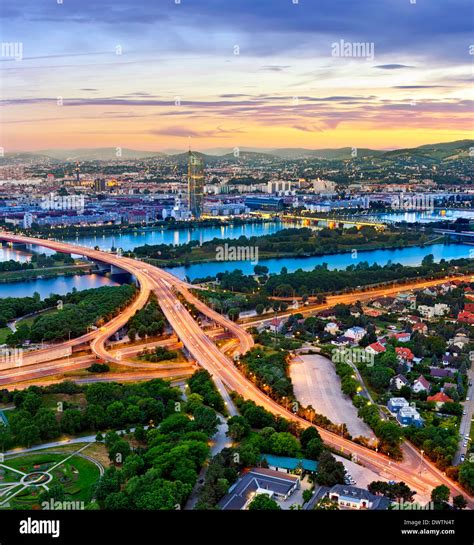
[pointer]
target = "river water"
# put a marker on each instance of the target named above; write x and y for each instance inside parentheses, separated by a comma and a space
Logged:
(129, 241)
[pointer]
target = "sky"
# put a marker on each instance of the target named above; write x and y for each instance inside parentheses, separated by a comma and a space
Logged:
(165, 74)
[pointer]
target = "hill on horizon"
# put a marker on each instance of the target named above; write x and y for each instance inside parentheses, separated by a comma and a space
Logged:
(436, 152)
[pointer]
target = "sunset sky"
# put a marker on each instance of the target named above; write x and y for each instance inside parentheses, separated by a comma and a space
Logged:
(153, 74)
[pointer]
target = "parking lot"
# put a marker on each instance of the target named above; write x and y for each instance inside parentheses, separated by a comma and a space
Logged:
(316, 383)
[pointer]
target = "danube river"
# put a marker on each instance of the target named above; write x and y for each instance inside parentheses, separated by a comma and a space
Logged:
(405, 256)
(129, 241)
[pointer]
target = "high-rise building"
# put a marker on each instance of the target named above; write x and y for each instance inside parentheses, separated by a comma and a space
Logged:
(99, 185)
(195, 184)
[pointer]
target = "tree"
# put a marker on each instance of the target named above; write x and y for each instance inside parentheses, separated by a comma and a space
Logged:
(466, 476)
(263, 502)
(313, 449)
(459, 502)
(71, 421)
(31, 402)
(259, 309)
(206, 420)
(284, 444)
(6, 438)
(307, 495)
(234, 314)
(440, 495)
(55, 493)
(260, 269)
(394, 491)
(330, 471)
(238, 428)
(47, 424)
(307, 435)
(28, 435)
(132, 334)
(119, 451)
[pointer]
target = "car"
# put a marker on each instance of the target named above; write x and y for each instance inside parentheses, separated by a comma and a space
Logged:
(462, 458)
(465, 444)
(392, 482)
(467, 399)
(466, 436)
(464, 413)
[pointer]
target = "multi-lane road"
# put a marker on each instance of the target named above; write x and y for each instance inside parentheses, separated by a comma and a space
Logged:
(420, 475)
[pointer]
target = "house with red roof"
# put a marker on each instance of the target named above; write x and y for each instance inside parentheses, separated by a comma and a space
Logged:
(440, 399)
(466, 317)
(403, 337)
(404, 355)
(421, 328)
(375, 348)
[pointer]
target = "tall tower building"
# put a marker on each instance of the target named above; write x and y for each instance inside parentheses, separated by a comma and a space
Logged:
(195, 184)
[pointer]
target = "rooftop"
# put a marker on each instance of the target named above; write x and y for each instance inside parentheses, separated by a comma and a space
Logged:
(290, 463)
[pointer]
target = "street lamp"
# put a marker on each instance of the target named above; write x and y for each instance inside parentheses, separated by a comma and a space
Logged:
(422, 452)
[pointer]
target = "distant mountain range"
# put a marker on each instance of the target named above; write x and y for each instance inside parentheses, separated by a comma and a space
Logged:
(431, 152)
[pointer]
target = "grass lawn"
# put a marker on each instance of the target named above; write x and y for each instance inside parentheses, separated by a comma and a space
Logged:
(4, 332)
(77, 476)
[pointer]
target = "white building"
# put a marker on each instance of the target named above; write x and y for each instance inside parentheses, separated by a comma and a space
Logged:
(279, 187)
(440, 309)
(332, 328)
(356, 333)
(323, 186)
(27, 220)
(426, 311)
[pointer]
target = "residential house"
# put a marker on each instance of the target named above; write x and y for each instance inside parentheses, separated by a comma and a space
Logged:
(403, 337)
(399, 381)
(355, 333)
(383, 302)
(426, 311)
(396, 403)
(404, 355)
(420, 327)
(332, 328)
(414, 319)
(409, 416)
(259, 480)
(405, 297)
(448, 359)
(441, 309)
(421, 385)
(440, 399)
(375, 348)
(441, 373)
(352, 497)
(466, 317)
(372, 312)
(460, 339)
(342, 341)
(449, 386)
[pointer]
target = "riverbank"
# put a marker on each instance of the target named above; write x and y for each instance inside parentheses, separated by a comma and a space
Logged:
(46, 273)
(79, 231)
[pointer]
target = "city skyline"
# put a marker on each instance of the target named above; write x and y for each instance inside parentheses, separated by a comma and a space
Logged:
(240, 75)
